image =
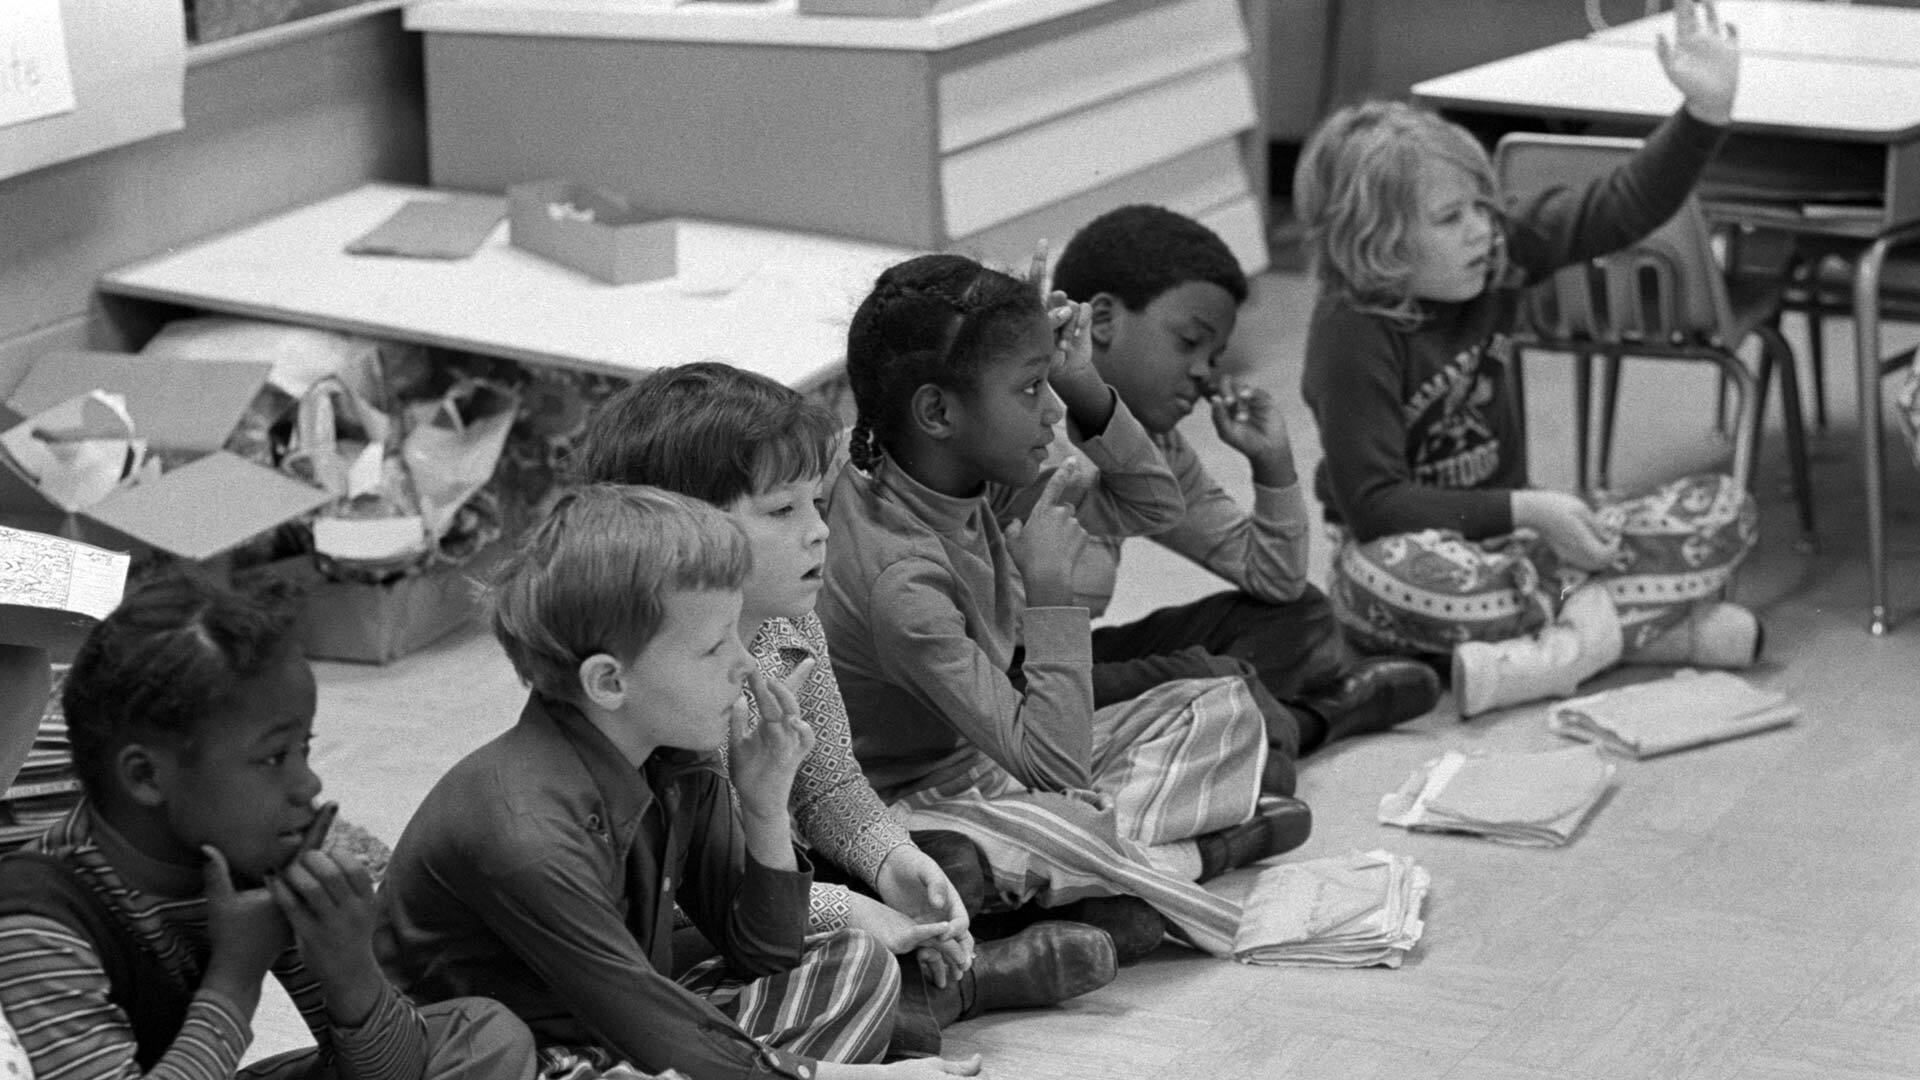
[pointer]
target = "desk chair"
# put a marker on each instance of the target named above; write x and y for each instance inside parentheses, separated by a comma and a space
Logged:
(1821, 285)
(1664, 298)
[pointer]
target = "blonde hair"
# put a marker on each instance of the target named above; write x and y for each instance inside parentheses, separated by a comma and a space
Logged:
(1356, 191)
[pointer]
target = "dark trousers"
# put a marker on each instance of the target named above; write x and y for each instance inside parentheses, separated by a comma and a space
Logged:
(1286, 651)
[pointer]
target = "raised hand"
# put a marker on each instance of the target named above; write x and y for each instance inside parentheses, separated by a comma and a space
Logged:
(1702, 60)
(1044, 545)
(763, 757)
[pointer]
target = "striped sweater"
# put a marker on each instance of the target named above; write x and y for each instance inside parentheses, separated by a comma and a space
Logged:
(54, 985)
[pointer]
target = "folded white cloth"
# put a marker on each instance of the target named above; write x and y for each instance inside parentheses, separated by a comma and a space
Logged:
(1690, 709)
(1536, 800)
(1361, 909)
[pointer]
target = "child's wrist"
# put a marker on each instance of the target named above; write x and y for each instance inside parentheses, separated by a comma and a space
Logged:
(1275, 468)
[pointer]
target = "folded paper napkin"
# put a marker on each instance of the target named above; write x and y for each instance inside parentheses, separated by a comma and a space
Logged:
(1689, 709)
(1356, 910)
(1536, 800)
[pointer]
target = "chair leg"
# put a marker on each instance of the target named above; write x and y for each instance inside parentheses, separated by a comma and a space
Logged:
(1582, 417)
(1609, 408)
(1817, 358)
(1776, 359)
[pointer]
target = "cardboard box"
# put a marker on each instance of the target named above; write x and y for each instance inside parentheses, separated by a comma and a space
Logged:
(184, 409)
(592, 230)
(377, 624)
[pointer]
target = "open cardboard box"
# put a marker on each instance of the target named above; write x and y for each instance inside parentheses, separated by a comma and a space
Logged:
(592, 230)
(377, 624)
(184, 409)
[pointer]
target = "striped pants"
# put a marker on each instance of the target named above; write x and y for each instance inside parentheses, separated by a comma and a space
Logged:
(835, 1005)
(1428, 591)
(1181, 760)
(469, 1038)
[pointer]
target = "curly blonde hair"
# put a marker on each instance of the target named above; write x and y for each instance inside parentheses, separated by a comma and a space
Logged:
(1356, 192)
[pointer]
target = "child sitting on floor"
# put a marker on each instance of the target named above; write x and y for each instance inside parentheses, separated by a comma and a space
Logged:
(760, 452)
(963, 655)
(134, 938)
(1165, 294)
(1446, 549)
(545, 867)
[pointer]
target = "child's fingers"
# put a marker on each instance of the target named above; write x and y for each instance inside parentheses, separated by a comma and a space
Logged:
(1053, 492)
(214, 874)
(317, 830)
(801, 672)
(1037, 267)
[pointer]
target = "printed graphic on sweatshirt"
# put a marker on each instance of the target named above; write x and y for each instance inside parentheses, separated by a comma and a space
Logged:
(1453, 439)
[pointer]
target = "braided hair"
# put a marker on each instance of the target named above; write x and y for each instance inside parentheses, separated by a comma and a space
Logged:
(936, 319)
(175, 648)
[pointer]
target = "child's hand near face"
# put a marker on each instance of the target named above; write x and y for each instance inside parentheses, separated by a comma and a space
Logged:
(1044, 546)
(764, 759)
(1248, 421)
(246, 933)
(328, 900)
(1702, 60)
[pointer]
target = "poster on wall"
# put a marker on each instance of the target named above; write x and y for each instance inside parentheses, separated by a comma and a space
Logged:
(35, 81)
(81, 76)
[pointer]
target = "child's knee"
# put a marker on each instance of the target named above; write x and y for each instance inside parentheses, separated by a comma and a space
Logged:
(864, 962)
(477, 1038)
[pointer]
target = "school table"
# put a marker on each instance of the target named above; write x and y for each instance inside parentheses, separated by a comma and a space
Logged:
(1822, 146)
(772, 301)
(979, 127)
(1862, 33)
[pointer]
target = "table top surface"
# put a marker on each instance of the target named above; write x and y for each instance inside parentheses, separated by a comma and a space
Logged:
(1862, 33)
(772, 22)
(1801, 96)
(770, 301)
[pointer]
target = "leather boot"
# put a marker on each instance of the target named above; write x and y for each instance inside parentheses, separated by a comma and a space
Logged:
(1279, 826)
(1045, 964)
(1581, 643)
(1380, 693)
(1135, 927)
(960, 859)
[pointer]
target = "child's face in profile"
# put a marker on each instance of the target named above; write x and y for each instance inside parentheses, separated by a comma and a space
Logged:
(1165, 357)
(788, 537)
(1005, 420)
(245, 786)
(1451, 235)
(681, 688)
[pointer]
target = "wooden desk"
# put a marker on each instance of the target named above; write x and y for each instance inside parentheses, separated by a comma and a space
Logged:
(978, 129)
(773, 302)
(1859, 33)
(1802, 119)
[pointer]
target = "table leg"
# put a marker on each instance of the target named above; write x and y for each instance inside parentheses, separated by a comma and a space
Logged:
(1866, 328)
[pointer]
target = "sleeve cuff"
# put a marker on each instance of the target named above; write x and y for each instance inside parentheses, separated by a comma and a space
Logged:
(1123, 441)
(830, 909)
(1285, 508)
(1059, 634)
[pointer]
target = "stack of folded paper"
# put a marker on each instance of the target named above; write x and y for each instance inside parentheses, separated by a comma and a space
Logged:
(1356, 910)
(1659, 717)
(1537, 800)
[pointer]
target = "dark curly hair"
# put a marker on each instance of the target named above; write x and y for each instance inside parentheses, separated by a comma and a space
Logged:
(173, 650)
(936, 319)
(1137, 252)
(706, 430)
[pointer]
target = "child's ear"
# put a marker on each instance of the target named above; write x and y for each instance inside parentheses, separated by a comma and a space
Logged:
(931, 411)
(137, 771)
(1104, 309)
(604, 681)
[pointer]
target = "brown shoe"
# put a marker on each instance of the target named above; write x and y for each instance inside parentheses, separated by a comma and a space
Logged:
(1045, 964)
(1133, 924)
(1279, 826)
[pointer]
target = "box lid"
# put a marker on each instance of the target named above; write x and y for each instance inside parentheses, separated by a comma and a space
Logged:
(175, 404)
(203, 508)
